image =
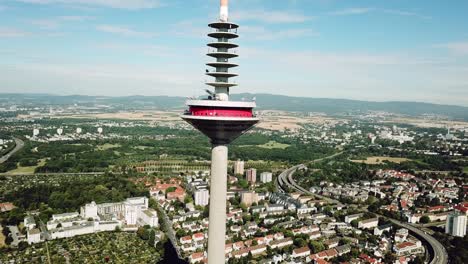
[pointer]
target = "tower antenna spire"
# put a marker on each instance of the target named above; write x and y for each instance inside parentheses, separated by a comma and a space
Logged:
(224, 11)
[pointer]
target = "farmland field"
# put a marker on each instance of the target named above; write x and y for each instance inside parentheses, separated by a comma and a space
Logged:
(380, 160)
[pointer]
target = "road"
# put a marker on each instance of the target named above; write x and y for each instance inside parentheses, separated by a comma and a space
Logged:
(19, 145)
(170, 231)
(285, 181)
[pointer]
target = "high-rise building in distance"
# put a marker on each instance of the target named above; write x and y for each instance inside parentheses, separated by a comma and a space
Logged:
(266, 177)
(239, 167)
(251, 175)
(456, 224)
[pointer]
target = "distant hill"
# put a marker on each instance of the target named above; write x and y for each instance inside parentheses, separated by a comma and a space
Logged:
(264, 101)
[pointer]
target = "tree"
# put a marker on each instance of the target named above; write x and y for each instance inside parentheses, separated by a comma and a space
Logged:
(142, 233)
(316, 246)
(8, 240)
(152, 238)
(188, 199)
(22, 245)
(181, 232)
(299, 242)
(424, 219)
(389, 257)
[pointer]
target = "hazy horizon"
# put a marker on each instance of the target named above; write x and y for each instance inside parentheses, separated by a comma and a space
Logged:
(271, 94)
(365, 50)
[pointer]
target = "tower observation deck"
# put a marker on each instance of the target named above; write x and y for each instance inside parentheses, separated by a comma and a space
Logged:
(222, 121)
(217, 117)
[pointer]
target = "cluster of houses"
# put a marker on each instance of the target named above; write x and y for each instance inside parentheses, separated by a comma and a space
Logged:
(4, 143)
(250, 232)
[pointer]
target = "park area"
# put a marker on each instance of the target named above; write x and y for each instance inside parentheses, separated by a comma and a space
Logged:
(274, 145)
(115, 247)
(381, 160)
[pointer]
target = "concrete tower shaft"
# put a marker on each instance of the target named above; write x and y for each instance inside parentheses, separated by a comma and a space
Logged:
(222, 121)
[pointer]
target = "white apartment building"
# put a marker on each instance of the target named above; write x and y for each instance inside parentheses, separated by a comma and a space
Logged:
(350, 218)
(456, 224)
(266, 177)
(34, 236)
(202, 197)
(239, 167)
(369, 223)
(148, 217)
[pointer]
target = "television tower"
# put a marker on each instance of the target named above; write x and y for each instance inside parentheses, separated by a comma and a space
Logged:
(222, 121)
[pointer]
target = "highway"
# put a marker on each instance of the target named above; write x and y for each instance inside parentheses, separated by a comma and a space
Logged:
(19, 145)
(440, 253)
(285, 181)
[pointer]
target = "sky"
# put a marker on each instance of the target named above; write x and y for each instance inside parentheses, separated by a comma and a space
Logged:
(373, 50)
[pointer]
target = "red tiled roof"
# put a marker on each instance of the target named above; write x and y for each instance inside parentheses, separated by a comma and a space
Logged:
(301, 250)
(405, 244)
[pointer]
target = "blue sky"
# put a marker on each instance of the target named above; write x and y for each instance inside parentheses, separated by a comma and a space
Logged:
(369, 50)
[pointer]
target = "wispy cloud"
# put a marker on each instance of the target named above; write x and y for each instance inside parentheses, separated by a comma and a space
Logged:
(270, 16)
(121, 4)
(7, 32)
(405, 13)
(458, 48)
(261, 33)
(75, 18)
(352, 11)
(142, 49)
(124, 31)
(47, 24)
(56, 22)
(2, 8)
(367, 10)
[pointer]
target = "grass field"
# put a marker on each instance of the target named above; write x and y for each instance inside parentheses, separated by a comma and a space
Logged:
(465, 170)
(108, 146)
(2, 238)
(274, 145)
(141, 147)
(26, 170)
(380, 160)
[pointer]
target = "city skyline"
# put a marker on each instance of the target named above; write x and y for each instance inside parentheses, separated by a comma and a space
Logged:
(401, 51)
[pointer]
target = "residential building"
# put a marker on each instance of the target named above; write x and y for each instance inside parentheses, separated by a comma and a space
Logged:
(248, 198)
(239, 167)
(350, 218)
(34, 236)
(408, 248)
(251, 175)
(202, 197)
(266, 177)
(301, 252)
(456, 224)
(369, 223)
